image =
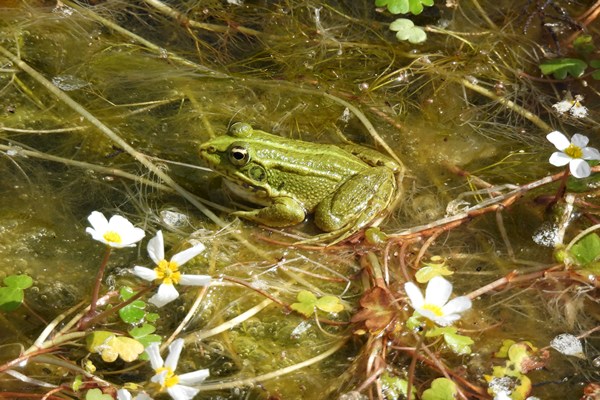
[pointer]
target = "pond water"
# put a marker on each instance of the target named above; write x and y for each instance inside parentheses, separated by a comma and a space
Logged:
(105, 104)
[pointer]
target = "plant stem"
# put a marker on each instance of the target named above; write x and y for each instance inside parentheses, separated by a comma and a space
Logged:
(98, 282)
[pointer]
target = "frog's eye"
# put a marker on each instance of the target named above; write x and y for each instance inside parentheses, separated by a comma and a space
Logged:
(238, 155)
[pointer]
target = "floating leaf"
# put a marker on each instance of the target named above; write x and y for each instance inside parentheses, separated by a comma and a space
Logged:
(435, 267)
(306, 303)
(12, 295)
(394, 387)
(330, 304)
(377, 311)
(441, 389)
(96, 394)
(145, 335)
(110, 346)
(586, 250)
(132, 313)
(406, 30)
(584, 45)
(596, 64)
(459, 344)
(561, 67)
(404, 6)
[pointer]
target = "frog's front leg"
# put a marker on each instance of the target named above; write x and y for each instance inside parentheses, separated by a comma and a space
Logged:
(284, 211)
(357, 202)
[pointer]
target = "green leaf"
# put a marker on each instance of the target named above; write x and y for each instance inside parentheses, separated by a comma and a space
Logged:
(10, 298)
(596, 64)
(12, 295)
(77, 382)
(306, 303)
(96, 394)
(584, 45)
(459, 344)
(441, 389)
(406, 30)
(329, 304)
(132, 313)
(561, 67)
(394, 387)
(145, 335)
(586, 250)
(18, 281)
(435, 267)
(404, 6)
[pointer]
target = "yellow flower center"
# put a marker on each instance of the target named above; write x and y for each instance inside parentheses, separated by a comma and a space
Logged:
(574, 151)
(112, 237)
(168, 272)
(437, 311)
(170, 378)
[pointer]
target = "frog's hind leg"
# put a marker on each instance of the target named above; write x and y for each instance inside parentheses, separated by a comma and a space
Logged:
(356, 203)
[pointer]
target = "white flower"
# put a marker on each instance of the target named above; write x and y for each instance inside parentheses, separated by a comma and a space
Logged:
(118, 232)
(573, 106)
(176, 385)
(167, 272)
(573, 152)
(123, 394)
(435, 305)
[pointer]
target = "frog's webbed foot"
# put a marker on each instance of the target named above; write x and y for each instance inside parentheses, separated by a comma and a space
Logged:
(284, 211)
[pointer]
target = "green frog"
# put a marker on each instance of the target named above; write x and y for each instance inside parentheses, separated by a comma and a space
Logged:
(345, 187)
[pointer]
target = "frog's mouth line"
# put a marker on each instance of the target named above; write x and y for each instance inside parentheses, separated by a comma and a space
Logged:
(248, 192)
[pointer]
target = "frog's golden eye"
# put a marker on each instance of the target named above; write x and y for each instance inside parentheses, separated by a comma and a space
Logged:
(238, 155)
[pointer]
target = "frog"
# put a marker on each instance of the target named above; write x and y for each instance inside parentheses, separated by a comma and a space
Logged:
(344, 187)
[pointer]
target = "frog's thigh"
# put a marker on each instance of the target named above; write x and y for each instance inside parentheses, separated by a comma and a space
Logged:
(358, 201)
(284, 211)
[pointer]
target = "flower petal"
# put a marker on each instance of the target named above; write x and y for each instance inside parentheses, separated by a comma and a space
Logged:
(414, 295)
(438, 291)
(131, 237)
(559, 159)
(457, 305)
(590, 153)
(194, 280)
(180, 392)
(558, 139)
(156, 248)
(123, 394)
(446, 319)
(194, 378)
(580, 168)
(98, 221)
(187, 254)
(144, 273)
(143, 396)
(160, 378)
(580, 140)
(174, 353)
(153, 352)
(164, 295)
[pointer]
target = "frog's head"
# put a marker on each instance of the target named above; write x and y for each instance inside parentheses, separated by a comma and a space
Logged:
(233, 156)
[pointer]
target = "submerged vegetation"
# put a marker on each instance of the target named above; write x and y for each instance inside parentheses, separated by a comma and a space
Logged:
(481, 283)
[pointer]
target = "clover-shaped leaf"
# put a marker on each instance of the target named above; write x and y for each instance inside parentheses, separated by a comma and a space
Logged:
(110, 346)
(145, 335)
(134, 313)
(406, 30)
(307, 302)
(404, 6)
(441, 389)
(587, 250)
(435, 267)
(459, 344)
(561, 67)
(394, 387)
(12, 295)
(376, 311)
(96, 394)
